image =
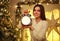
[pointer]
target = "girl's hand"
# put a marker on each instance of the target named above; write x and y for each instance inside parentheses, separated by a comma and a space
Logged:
(32, 28)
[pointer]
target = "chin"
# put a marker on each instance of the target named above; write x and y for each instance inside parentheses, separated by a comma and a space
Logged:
(36, 17)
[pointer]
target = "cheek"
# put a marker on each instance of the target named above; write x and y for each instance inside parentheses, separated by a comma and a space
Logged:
(36, 14)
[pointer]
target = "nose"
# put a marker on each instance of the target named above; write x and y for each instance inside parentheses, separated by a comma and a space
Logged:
(35, 11)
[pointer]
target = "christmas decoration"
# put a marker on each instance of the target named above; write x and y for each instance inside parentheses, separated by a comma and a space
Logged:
(17, 19)
(18, 13)
(53, 24)
(7, 31)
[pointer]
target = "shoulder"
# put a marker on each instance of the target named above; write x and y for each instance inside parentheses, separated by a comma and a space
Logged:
(44, 22)
(32, 19)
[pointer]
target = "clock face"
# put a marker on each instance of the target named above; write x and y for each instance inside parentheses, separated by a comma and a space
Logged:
(26, 20)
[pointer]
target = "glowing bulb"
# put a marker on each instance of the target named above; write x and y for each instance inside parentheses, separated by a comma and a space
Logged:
(1, 2)
(1, 9)
(21, 6)
(16, 6)
(47, 3)
(5, 10)
(1, 13)
(40, 3)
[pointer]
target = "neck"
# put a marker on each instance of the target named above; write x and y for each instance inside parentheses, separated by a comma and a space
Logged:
(37, 20)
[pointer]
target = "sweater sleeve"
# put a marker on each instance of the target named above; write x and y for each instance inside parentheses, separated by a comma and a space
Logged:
(45, 27)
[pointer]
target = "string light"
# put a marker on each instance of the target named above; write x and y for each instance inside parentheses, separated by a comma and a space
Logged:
(47, 3)
(1, 9)
(16, 6)
(1, 2)
(40, 3)
(21, 6)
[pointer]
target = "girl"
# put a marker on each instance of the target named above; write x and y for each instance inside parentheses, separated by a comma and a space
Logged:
(39, 24)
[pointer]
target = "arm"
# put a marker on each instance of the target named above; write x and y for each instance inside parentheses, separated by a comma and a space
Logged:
(31, 28)
(45, 27)
(42, 32)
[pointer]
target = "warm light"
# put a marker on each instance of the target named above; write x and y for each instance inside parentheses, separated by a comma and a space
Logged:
(16, 6)
(5, 10)
(26, 34)
(1, 2)
(47, 3)
(53, 36)
(21, 6)
(1, 13)
(1, 9)
(48, 14)
(16, 29)
(39, 3)
(56, 13)
(31, 12)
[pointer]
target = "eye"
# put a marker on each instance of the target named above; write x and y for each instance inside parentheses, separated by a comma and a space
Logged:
(38, 10)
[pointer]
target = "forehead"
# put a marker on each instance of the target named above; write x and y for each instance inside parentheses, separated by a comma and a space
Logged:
(37, 8)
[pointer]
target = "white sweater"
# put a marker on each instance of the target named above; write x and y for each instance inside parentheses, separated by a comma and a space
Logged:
(39, 31)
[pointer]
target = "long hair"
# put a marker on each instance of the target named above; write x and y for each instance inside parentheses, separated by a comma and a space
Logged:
(42, 15)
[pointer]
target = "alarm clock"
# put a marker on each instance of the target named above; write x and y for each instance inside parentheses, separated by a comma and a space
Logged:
(26, 20)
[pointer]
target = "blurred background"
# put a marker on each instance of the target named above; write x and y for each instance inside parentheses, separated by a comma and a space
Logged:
(10, 15)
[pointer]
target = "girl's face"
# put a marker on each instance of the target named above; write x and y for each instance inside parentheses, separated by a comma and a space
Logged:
(36, 12)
